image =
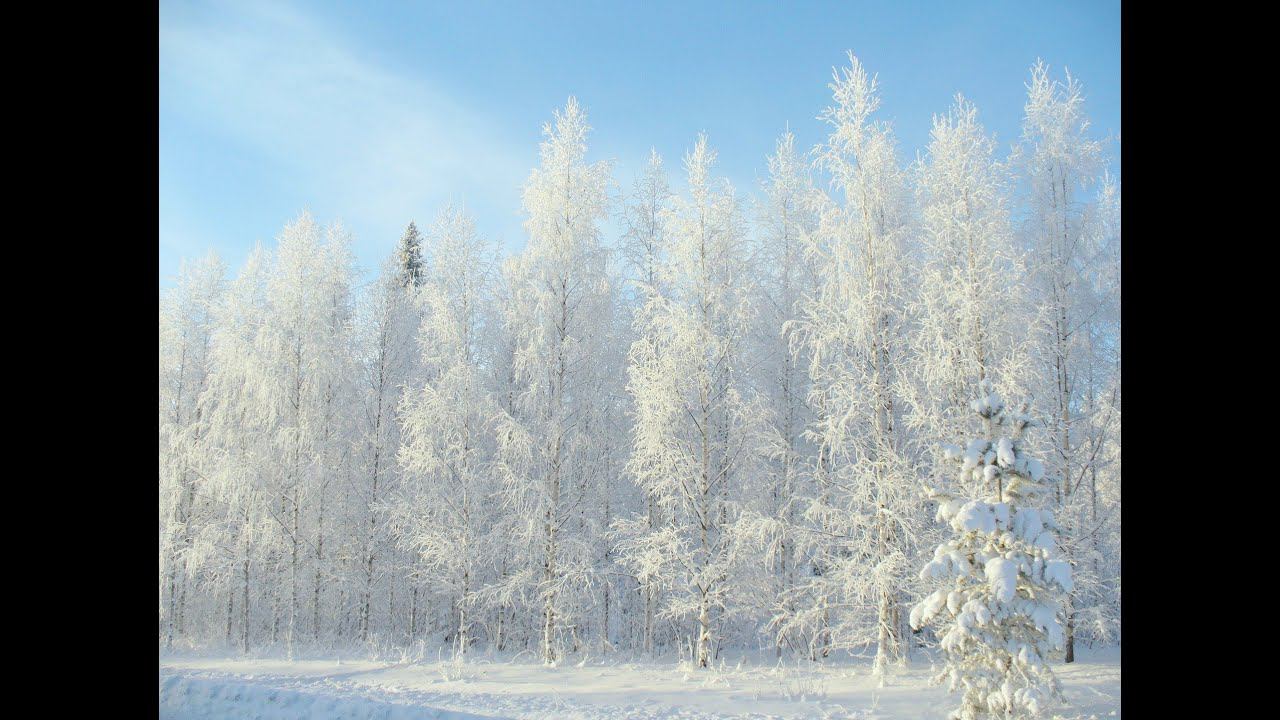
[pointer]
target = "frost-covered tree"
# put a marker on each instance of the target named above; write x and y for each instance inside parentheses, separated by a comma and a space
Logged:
(709, 435)
(561, 308)
(444, 514)
(1057, 161)
(1095, 497)
(240, 451)
(303, 367)
(187, 319)
(786, 218)
(387, 342)
(644, 249)
(409, 256)
(644, 243)
(999, 578)
(969, 312)
(692, 431)
(338, 424)
(853, 328)
(506, 594)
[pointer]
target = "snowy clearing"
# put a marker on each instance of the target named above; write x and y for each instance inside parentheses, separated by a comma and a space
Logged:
(275, 689)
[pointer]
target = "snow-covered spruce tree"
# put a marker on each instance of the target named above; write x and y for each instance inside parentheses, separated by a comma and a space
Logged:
(561, 306)
(409, 256)
(443, 513)
(691, 433)
(999, 578)
(852, 328)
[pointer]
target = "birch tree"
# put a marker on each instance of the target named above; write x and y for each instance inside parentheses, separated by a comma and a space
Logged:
(786, 218)
(970, 314)
(240, 453)
(388, 340)
(187, 315)
(853, 327)
(449, 423)
(560, 298)
(692, 432)
(1058, 160)
(302, 366)
(645, 248)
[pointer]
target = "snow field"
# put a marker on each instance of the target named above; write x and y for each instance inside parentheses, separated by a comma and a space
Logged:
(279, 690)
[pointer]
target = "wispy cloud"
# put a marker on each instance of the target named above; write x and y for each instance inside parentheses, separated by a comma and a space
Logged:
(377, 145)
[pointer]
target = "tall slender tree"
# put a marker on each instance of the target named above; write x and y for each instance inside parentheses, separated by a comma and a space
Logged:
(561, 300)
(240, 452)
(1057, 161)
(691, 434)
(786, 218)
(187, 315)
(302, 364)
(388, 352)
(645, 248)
(854, 329)
(449, 423)
(969, 312)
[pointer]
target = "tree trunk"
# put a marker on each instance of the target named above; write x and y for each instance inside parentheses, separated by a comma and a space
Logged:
(173, 606)
(704, 631)
(315, 598)
(413, 613)
(244, 610)
(293, 583)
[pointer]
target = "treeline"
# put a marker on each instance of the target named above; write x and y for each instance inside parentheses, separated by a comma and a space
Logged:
(713, 431)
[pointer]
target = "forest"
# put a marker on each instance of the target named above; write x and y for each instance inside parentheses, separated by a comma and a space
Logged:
(869, 408)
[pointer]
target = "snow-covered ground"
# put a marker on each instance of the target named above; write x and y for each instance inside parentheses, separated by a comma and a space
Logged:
(219, 687)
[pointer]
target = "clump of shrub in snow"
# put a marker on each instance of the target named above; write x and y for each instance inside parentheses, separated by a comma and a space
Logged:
(998, 581)
(802, 684)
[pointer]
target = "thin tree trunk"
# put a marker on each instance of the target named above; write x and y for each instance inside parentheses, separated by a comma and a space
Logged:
(293, 582)
(173, 605)
(244, 628)
(413, 613)
(231, 597)
(315, 598)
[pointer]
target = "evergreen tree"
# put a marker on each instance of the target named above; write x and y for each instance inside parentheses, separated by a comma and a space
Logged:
(999, 581)
(409, 254)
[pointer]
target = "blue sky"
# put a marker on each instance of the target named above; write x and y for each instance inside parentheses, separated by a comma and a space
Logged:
(376, 113)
